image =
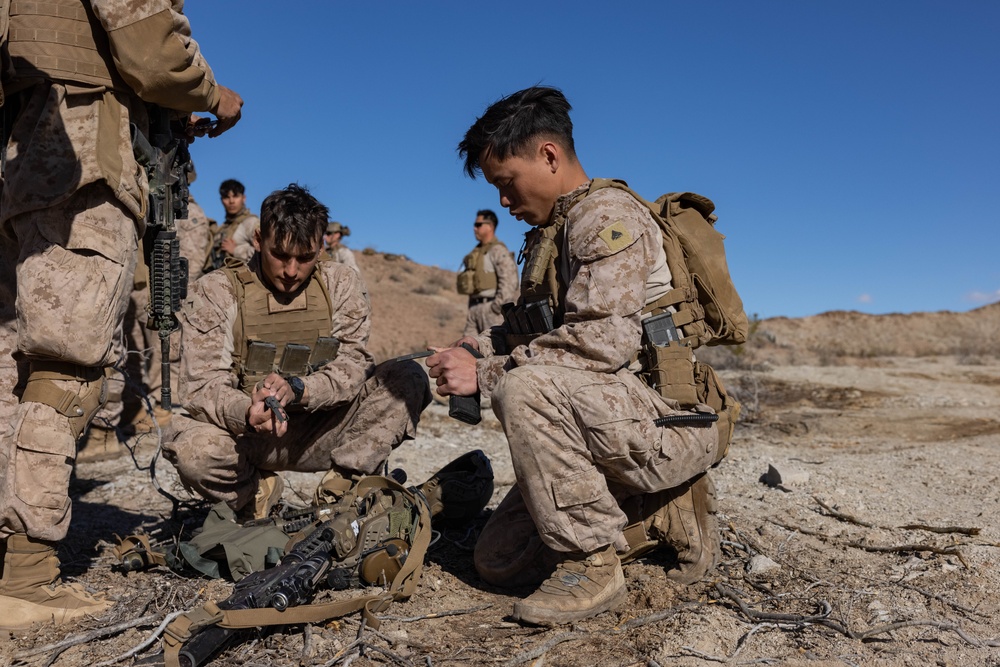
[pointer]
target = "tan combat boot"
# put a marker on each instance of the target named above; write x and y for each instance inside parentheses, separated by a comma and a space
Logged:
(682, 518)
(582, 586)
(269, 491)
(693, 530)
(30, 592)
(99, 444)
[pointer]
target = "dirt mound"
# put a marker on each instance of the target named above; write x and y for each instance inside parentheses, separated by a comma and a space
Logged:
(413, 305)
(840, 334)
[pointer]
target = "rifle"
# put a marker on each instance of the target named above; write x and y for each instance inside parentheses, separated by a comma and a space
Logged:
(291, 583)
(165, 158)
(377, 535)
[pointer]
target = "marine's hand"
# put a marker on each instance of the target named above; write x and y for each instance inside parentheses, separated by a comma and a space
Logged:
(228, 111)
(198, 126)
(228, 245)
(260, 416)
(467, 340)
(454, 368)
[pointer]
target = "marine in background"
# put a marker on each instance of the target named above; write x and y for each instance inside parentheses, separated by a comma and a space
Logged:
(334, 248)
(234, 237)
(488, 276)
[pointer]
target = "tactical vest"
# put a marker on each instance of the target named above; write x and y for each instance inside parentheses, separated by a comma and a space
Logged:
(60, 40)
(263, 319)
(703, 305)
(475, 278)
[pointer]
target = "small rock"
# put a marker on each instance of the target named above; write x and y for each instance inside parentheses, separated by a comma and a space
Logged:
(784, 478)
(761, 565)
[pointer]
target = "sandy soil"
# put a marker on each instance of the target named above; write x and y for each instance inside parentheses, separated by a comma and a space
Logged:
(879, 547)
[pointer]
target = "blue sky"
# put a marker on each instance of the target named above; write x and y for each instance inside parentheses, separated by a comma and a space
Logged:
(852, 148)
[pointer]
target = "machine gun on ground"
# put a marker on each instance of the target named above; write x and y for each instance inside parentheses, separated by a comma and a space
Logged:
(375, 535)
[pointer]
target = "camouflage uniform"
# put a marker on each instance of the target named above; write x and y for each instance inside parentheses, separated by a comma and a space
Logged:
(240, 228)
(484, 306)
(578, 421)
(143, 366)
(357, 413)
(340, 253)
(70, 218)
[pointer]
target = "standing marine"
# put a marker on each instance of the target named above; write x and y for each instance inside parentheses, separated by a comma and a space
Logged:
(488, 276)
(72, 212)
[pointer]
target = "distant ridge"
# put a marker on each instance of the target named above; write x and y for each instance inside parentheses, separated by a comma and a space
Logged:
(414, 305)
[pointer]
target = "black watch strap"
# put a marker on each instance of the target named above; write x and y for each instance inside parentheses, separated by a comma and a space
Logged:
(298, 387)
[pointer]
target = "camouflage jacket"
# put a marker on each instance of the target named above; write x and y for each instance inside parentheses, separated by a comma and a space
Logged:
(609, 279)
(69, 135)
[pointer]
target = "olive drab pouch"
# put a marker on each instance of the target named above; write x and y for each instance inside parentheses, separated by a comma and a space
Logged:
(374, 537)
(712, 393)
(465, 282)
(379, 527)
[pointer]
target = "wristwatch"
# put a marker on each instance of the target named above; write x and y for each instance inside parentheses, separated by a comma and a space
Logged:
(298, 387)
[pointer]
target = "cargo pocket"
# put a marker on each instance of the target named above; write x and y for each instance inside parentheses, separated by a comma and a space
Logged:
(44, 462)
(621, 437)
(581, 489)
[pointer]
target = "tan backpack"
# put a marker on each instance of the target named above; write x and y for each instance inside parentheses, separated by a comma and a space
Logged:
(707, 304)
(703, 303)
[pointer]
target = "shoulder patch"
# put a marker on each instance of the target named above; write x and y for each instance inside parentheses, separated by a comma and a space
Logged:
(616, 236)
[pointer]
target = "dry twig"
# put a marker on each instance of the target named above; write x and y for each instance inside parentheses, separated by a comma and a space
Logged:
(941, 529)
(76, 640)
(906, 548)
(824, 620)
(436, 614)
(542, 649)
(843, 517)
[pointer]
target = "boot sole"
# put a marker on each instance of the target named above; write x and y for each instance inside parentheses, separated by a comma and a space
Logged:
(527, 614)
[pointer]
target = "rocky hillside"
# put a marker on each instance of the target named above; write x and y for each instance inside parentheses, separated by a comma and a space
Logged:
(415, 306)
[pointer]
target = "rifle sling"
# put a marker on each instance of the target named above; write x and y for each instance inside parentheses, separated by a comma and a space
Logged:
(403, 586)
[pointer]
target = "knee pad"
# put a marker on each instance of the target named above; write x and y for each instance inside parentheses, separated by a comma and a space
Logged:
(79, 406)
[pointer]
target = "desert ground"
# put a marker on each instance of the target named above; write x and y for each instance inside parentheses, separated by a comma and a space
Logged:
(859, 509)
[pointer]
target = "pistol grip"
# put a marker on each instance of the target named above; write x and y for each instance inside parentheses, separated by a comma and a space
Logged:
(466, 408)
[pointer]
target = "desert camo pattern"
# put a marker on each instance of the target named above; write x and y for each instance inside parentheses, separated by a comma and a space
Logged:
(69, 229)
(483, 316)
(578, 421)
(357, 413)
(342, 254)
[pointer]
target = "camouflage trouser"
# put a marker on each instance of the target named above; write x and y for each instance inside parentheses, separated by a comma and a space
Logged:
(70, 268)
(356, 437)
(579, 440)
(480, 318)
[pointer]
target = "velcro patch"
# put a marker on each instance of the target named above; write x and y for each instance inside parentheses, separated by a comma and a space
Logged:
(300, 302)
(616, 236)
